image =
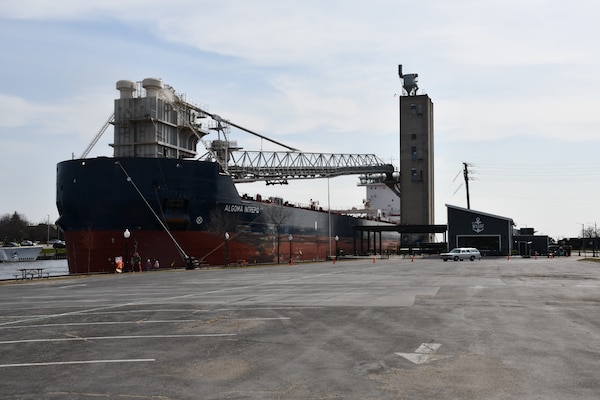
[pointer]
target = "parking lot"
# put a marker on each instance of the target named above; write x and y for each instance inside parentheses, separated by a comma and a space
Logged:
(390, 329)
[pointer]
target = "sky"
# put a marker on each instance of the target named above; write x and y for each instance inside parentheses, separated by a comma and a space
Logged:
(514, 85)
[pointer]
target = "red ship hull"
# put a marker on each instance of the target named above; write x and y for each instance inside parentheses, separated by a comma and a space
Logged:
(97, 251)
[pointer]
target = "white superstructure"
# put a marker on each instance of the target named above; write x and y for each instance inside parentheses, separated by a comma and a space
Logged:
(20, 253)
(382, 201)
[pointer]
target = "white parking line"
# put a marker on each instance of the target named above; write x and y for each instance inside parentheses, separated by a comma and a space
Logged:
(180, 297)
(159, 310)
(102, 323)
(173, 321)
(115, 338)
(65, 314)
(256, 319)
(43, 364)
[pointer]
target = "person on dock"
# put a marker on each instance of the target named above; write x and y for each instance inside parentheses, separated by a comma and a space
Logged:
(136, 262)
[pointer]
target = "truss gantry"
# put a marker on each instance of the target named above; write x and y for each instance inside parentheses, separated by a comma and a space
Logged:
(278, 167)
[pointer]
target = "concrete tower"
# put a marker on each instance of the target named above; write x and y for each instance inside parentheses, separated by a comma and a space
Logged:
(416, 155)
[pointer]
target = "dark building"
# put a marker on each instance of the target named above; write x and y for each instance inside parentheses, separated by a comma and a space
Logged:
(491, 234)
(527, 244)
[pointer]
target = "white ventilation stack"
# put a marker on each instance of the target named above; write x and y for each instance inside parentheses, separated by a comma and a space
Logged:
(126, 88)
(153, 86)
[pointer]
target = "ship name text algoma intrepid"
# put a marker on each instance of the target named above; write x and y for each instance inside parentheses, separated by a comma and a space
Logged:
(157, 197)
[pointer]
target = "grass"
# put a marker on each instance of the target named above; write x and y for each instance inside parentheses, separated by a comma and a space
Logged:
(596, 259)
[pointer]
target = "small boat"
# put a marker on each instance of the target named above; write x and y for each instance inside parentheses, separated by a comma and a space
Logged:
(19, 253)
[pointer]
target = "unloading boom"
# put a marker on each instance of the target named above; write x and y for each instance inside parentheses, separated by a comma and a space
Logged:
(152, 120)
(278, 167)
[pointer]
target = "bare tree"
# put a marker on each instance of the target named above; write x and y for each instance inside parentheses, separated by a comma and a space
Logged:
(277, 215)
(13, 227)
(591, 233)
(220, 222)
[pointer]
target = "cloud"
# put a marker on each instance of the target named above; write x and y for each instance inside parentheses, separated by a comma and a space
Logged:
(68, 9)
(68, 116)
(508, 78)
(486, 118)
(15, 111)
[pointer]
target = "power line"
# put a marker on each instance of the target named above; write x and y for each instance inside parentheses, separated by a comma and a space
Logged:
(538, 173)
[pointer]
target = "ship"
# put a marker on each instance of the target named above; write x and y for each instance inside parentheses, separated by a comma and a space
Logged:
(161, 200)
(19, 253)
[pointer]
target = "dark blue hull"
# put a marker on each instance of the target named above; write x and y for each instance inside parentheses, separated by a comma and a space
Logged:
(170, 203)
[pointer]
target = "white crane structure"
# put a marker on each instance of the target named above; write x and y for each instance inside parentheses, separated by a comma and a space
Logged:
(154, 121)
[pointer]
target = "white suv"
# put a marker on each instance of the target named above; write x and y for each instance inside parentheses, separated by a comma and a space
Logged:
(461, 253)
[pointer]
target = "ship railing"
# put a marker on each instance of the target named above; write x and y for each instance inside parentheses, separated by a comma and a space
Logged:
(315, 206)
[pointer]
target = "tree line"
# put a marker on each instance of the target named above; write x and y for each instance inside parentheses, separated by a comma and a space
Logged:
(16, 228)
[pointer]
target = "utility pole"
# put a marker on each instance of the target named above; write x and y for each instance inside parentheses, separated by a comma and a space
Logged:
(466, 175)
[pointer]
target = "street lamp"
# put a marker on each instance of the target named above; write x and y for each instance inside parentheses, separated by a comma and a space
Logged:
(337, 250)
(582, 238)
(317, 238)
(226, 249)
(126, 235)
(583, 241)
(595, 239)
(290, 238)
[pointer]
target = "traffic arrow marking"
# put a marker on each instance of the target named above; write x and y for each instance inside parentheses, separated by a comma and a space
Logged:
(423, 354)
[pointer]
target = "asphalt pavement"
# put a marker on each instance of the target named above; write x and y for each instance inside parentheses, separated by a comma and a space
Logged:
(386, 329)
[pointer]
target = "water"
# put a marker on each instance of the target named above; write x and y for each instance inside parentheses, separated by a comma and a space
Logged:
(8, 270)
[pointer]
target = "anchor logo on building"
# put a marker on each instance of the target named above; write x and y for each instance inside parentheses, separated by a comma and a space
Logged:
(478, 226)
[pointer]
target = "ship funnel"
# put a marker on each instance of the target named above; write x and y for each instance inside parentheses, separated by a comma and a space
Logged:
(152, 86)
(126, 88)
